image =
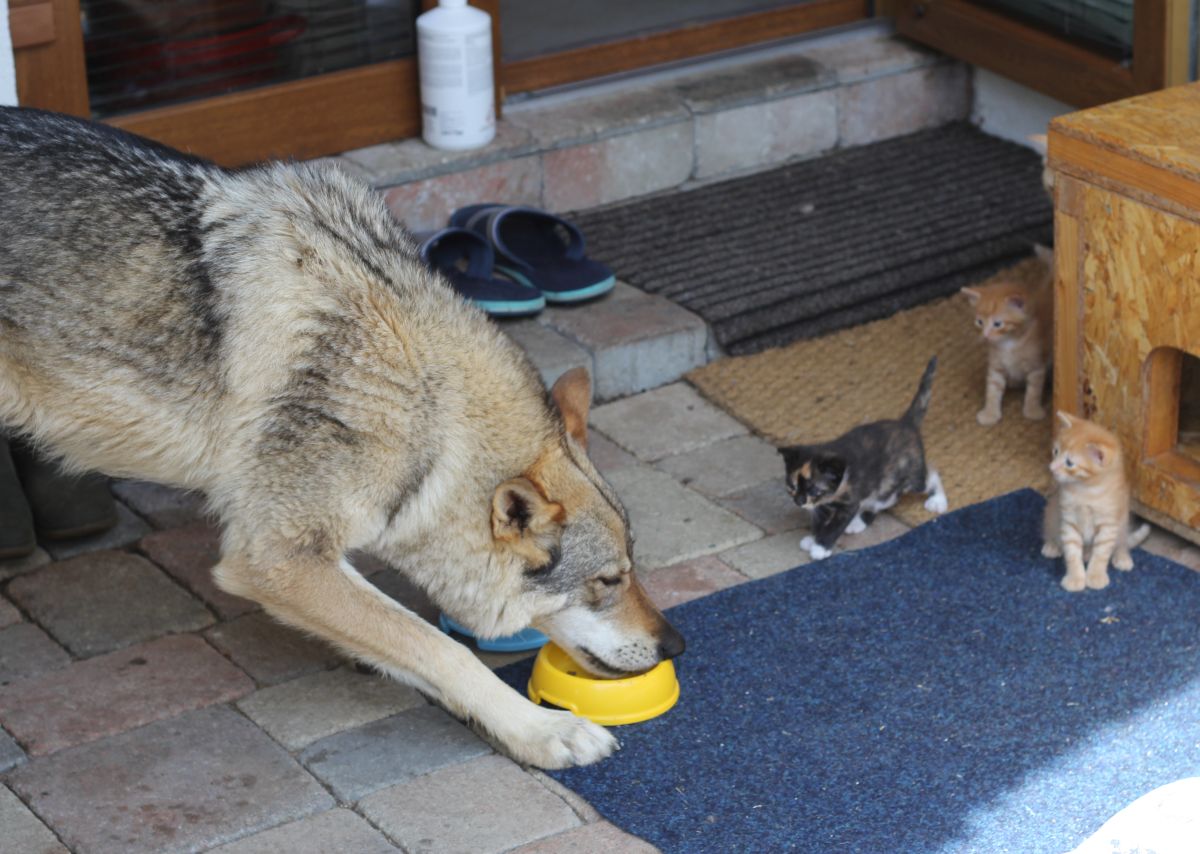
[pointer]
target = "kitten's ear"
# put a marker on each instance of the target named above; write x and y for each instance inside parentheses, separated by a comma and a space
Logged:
(1098, 453)
(1017, 302)
(1065, 418)
(971, 294)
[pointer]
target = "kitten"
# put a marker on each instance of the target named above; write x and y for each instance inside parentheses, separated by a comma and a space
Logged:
(1090, 505)
(1016, 320)
(847, 481)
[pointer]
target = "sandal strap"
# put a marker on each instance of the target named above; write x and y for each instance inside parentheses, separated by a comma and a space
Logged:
(491, 222)
(481, 259)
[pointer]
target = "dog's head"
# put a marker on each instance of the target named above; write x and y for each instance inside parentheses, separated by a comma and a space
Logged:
(568, 535)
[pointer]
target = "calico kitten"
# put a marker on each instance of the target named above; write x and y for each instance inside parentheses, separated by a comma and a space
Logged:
(1016, 320)
(1090, 505)
(847, 481)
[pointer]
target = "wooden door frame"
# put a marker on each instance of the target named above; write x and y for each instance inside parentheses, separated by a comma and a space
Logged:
(1050, 64)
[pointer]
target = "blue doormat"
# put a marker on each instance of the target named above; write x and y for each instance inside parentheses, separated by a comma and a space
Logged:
(937, 693)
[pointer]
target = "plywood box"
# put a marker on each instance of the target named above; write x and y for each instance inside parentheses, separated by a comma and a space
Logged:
(1127, 286)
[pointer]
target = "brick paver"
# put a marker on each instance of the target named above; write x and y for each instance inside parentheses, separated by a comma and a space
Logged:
(117, 692)
(589, 839)
(22, 832)
(726, 467)
(188, 554)
(606, 455)
(483, 806)
(672, 523)
(767, 506)
(9, 615)
(11, 754)
(161, 506)
(673, 585)
(670, 420)
(360, 761)
(20, 566)
(105, 600)
(767, 556)
(270, 651)
(337, 831)
(299, 712)
(184, 784)
(129, 528)
(27, 651)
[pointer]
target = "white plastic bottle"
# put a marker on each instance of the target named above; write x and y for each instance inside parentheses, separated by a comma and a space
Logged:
(454, 51)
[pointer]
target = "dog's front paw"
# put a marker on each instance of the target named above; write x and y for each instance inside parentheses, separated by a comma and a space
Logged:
(815, 550)
(558, 739)
(987, 417)
(937, 503)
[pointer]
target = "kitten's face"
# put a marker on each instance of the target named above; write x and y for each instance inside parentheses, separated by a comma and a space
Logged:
(814, 481)
(1081, 450)
(1000, 311)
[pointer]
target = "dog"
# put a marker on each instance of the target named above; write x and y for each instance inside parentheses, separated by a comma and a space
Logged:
(269, 337)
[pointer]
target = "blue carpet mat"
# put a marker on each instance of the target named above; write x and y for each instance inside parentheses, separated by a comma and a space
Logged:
(938, 693)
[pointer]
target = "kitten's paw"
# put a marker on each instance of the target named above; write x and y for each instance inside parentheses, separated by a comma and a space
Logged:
(1096, 580)
(987, 418)
(1034, 413)
(856, 526)
(1073, 583)
(1051, 550)
(937, 503)
(815, 550)
(1123, 562)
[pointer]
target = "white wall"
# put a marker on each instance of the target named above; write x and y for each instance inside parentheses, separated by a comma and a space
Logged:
(1010, 110)
(8, 78)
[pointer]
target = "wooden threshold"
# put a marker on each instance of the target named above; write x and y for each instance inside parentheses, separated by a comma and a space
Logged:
(1026, 54)
(300, 119)
(572, 66)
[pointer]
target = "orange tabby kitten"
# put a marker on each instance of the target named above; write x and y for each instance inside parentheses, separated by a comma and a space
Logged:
(1015, 319)
(1090, 505)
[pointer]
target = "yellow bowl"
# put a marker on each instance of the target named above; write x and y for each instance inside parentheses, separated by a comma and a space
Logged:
(558, 680)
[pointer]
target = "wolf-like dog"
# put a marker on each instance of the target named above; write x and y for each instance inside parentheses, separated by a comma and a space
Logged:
(269, 336)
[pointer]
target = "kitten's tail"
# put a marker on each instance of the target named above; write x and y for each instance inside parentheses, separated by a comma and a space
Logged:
(1136, 538)
(916, 409)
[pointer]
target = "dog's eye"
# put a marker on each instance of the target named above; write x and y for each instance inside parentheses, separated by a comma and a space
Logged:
(612, 581)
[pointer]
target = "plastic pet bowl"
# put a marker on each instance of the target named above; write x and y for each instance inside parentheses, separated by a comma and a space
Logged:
(522, 641)
(558, 680)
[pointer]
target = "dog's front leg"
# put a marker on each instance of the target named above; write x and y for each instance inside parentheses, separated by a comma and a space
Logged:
(336, 603)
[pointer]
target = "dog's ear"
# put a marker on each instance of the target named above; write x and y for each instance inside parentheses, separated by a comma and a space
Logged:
(572, 394)
(519, 510)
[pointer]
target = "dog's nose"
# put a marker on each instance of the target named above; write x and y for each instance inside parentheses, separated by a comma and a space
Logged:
(670, 644)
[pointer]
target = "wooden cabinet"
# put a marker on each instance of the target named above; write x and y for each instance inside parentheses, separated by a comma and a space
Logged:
(1127, 302)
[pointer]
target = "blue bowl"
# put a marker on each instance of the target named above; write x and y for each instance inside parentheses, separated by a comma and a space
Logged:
(522, 641)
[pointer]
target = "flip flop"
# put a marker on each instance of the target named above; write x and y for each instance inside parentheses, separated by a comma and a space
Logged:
(538, 248)
(469, 264)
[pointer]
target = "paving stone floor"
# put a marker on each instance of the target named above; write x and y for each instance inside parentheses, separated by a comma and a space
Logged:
(144, 710)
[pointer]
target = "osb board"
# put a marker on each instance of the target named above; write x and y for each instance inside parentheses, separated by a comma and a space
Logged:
(1141, 291)
(818, 389)
(1161, 129)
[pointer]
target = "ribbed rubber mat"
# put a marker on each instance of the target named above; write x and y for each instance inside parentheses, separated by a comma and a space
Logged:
(827, 243)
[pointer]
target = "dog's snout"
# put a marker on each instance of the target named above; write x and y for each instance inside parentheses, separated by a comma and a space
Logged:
(670, 644)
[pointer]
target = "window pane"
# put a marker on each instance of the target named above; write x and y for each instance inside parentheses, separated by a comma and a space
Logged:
(146, 53)
(1107, 24)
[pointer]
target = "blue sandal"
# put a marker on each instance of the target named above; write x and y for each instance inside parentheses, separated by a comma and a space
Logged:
(539, 249)
(469, 264)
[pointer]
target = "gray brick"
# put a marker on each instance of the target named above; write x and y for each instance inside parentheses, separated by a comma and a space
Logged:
(758, 135)
(184, 784)
(26, 651)
(299, 712)
(853, 60)
(11, 754)
(188, 554)
(1172, 547)
(590, 839)
(23, 831)
(768, 556)
(106, 600)
(488, 805)
(360, 761)
(671, 522)
(20, 566)
(8, 614)
(117, 692)
(270, 651)
(337, 830)
(620, 167)
(665, 421)
(552, 354)
(428, 203)
(669, 586)
(755, 83)
(161, 506)
(885, 527)
(636, 340)
(394, 163)
(726, 467)
(129, 528)
(589, 119)
(606, 455)
(885, 107)
(767, 506)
